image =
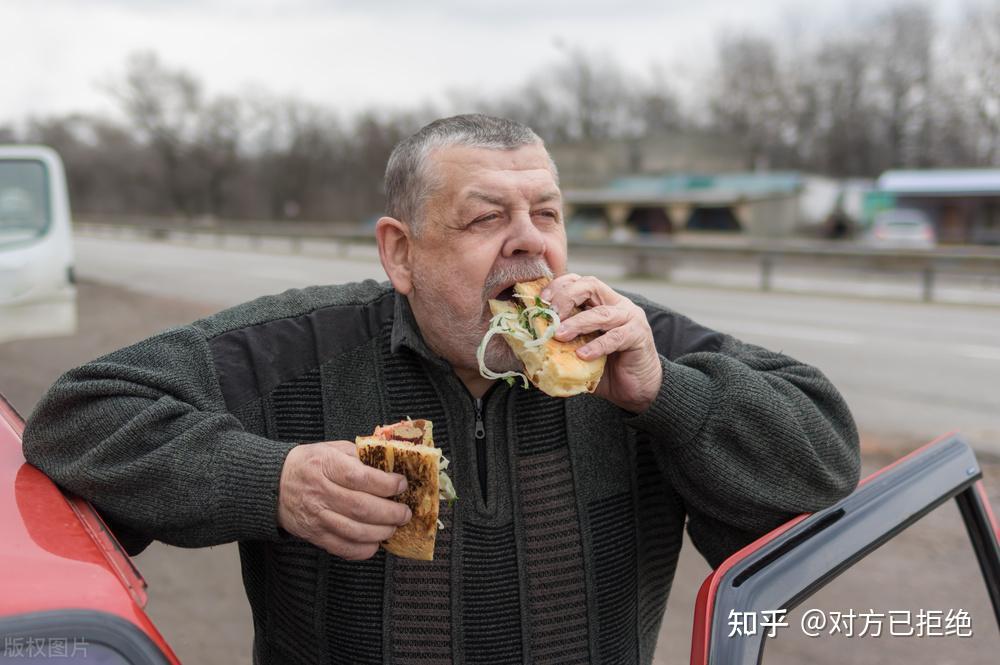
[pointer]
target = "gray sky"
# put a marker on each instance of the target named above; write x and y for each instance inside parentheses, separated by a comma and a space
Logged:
(359, 54)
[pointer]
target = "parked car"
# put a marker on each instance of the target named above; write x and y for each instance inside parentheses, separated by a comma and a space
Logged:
(901, 228)
(72, 594)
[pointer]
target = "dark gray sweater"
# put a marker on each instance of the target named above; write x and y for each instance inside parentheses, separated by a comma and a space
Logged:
(568, 555)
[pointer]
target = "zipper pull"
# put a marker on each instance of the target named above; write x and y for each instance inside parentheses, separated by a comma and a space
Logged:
(480, 427)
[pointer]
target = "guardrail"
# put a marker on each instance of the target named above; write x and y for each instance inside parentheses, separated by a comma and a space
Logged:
(340, 234)
(645, 258)
(656, 258)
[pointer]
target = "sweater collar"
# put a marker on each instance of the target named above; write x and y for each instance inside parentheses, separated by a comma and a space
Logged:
(406, 333)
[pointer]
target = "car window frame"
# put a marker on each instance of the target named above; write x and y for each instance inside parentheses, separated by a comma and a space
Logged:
(786, 566)
(38, 233)
(90, 627)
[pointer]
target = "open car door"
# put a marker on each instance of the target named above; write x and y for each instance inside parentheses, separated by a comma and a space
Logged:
(70, 592)
(783, 568)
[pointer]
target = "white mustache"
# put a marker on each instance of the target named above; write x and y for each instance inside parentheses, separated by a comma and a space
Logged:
(522, 271)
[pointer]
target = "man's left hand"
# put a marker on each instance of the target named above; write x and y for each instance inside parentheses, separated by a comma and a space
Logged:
(632, 375)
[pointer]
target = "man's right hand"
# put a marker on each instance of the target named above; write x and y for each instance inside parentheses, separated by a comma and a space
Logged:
(328, 497)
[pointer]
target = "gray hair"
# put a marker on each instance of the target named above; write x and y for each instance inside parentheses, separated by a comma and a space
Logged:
(408, 185)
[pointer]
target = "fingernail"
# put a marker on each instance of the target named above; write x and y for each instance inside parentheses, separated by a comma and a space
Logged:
(584, 351)
(409, 515)
(562, 330)
(545, 294)
(402, 486)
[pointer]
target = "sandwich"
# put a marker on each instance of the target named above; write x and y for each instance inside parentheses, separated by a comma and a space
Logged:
(407, 448)
(528, 324)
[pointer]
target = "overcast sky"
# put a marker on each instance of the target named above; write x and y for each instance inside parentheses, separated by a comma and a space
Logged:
(354, 54)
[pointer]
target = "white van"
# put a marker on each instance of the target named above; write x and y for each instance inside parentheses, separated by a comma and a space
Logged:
(37, 291)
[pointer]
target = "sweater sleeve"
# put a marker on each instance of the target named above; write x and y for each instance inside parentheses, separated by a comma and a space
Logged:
(749, 438)
(144, 434)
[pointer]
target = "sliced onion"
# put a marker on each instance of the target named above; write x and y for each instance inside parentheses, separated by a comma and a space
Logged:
(509, 323)
(501, 323)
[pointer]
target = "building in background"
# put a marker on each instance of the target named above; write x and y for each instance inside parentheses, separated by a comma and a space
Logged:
(962, 204)
(758, 204)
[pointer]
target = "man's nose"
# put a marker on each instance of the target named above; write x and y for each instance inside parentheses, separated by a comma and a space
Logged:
(525, 238)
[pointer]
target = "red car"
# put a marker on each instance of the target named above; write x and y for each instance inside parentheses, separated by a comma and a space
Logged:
(71, 593)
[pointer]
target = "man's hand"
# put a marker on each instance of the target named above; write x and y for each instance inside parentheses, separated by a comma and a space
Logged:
(632, 375)
(328, 497)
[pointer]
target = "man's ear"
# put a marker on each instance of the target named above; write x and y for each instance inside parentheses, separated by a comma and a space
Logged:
(393, 238)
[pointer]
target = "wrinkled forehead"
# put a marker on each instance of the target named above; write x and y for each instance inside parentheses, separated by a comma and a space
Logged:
(460, 173)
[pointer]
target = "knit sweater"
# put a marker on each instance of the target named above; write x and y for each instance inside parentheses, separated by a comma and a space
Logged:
(564, 554)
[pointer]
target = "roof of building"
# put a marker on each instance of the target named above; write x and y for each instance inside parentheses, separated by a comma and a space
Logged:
(703, 188)
(945, 182)
(748, 183)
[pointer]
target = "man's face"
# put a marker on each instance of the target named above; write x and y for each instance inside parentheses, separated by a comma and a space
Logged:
(494, 219)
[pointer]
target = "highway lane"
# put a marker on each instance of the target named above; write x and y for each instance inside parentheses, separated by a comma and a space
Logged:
(910, 371)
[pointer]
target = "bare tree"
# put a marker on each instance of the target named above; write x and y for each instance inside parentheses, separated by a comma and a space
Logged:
(748, 98)
(217, 150)
(872, 95)
(594, 86)
(369, 143)
(978, 81)
(164, 106)
(108, 171)
(654, 107)
(535, 103)
(842, 114)
(900, 46)
(584, 97)
(294, 142)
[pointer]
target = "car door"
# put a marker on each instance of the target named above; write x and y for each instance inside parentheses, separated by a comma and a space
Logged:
(762, 582)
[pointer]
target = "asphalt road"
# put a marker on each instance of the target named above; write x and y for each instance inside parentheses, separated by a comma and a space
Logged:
(910, 371)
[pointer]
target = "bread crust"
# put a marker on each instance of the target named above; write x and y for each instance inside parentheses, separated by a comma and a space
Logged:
(420, 464)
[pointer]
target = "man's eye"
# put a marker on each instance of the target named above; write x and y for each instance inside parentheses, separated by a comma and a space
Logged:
(547, 213)
(485, 218)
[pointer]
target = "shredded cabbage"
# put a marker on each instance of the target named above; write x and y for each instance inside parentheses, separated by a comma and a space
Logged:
(446, 490)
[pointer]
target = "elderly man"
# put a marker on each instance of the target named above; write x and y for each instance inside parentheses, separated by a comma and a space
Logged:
(564, 541)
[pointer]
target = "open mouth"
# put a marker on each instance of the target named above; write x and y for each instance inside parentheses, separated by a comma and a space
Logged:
(506, 294)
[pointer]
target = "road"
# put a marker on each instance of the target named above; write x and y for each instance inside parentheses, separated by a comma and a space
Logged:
(130, 290)
(910, 371)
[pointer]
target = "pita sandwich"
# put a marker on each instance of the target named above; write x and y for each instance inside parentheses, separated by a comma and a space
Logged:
(527, 325)
(408, 448)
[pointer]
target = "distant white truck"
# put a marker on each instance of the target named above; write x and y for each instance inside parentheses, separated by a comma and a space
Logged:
(37, 285)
